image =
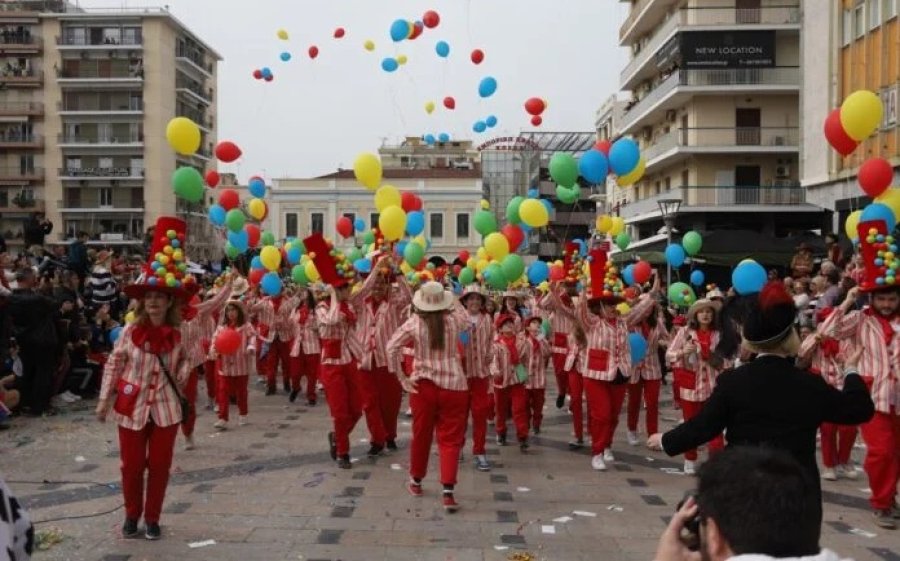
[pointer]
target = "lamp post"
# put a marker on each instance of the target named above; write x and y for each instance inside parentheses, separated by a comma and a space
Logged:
(669, 208)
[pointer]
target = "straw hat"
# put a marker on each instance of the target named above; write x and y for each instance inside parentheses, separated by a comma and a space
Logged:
(473, 289)
(431, 297)
(702, 304)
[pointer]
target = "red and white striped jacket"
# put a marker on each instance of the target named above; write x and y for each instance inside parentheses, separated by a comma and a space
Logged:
(822, 351)
(607, 349)
(650, 368)
(377, 322)
(575, 355)
(443, 367)
(502, 368)
(478, 351)
(306, 332)
(705, 374)
(335, 334)
(561, 324)
(274, 314)
(538, 351)
(242, 362)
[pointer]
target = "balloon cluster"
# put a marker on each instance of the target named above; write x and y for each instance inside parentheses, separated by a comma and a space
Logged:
(886, 262)
(430, 139)
(265, 73)
(854, 121)
(184, 138)
(169, 265)
(681, 295)
(535, 106)
(622, 158)
(483, 125)
(637, 274)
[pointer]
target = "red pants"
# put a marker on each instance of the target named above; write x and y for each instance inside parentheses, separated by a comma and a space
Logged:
(517, 396)
(190, 393)
(604, 405)
(837, 443)
(676, 392)
(210, 375)
(381, 395)
(559, 370)
(440, 411)
(149, 449)
(279, 353)
(689, 410)
(535, 411)
(882, 463)
(262, 362)
(650, 391)
(228, 386)
(305, 366)
(343, 401)
(576, 405)
(482, 403)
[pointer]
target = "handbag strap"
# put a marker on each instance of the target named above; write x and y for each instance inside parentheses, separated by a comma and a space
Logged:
(169, 377)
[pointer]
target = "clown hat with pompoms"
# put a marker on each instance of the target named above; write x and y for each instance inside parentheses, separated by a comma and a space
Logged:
(878, 249)
(333, 266)
(166, 267)
(606, 284)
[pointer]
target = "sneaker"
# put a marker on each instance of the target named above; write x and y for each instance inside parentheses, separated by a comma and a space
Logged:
(375, 450)
(501, 440)
(450, 504)
(415, 489)
(221, 424)
(633, 438)
(884, 519)
(286, 386)
(408, 413)
(597, 463)
(311, 402)
(189, 442)
(293, 397)
(608, 455)
(344, 462)
(242, 420)
(560, 400)
(829, 474)
(689, 467)
(523, 445)
(216, 408)
(537, 430)
(895, 510)
(129, 528)
(332, 446)
(71, 397)
(482, 463)
(152, 532)
(392, 445)
(848, 471)
(576, 444)
(271, 390)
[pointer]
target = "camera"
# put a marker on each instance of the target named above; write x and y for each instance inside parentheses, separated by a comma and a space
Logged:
(690, 532)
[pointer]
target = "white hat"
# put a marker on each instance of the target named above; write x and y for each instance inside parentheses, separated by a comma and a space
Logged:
(431, 297)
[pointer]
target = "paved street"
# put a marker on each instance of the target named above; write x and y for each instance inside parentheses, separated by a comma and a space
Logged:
(268, 491)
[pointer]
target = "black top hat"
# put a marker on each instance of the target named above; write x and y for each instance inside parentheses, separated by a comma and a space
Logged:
(771, 317)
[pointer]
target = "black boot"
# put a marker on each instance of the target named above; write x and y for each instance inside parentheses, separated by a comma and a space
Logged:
(129, 528)
(294, 394)
(344, 462)
(392, 445)
(560, 400)
(375, 450)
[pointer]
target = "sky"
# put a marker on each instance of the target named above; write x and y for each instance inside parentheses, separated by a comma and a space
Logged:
(317, 115)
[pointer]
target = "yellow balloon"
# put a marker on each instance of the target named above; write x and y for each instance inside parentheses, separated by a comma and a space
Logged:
(544, 286)
(405, 268)
(311, 272)
(270, 257)
(129, 317)
(617, 227)
(636, 174)
(891, 198)
(401, 60)
(392, 223)
(534, 213)
(257, 208)
(496, 245)
(367, 169)
(861, 114)
(481, 265)
(385, 196)
(369, 45)
(851, 224)
(481, 253)
(604, 223)
(485, 205)
(420, 239)
(429, 107)
(183, 135)
(471, 263)
(623, 308)
(283, 34)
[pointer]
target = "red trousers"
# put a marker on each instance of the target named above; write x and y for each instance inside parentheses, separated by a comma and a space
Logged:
(228, 386)
(837, 443)
(149, 449)
(517, 396)
(381, 395)
(676, 392)
(482, 403)
(190, 393)
(445, 413)
(689, 410)
(576, 405)
(650, 391)
(279, 354)
(882, 463)
(605, 401)
(305, 366)
(210, 375)
(535, 411)
(559, 370)
(262, 362)
(343, 401)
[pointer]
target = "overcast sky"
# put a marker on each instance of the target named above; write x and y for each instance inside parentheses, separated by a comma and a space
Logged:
(318, 114)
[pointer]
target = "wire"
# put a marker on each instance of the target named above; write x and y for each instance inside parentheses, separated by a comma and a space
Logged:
(78, 517)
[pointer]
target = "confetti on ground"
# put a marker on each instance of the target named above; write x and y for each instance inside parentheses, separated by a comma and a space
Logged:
(204, 543)
(396, 467)
(563, 519)
(863, 533)
(79, 459)
(501, 547)
(615, 508)
(672, 471)
(548, 529)
(48, 538)
(649, 459)
(584, 513)
(522, 489)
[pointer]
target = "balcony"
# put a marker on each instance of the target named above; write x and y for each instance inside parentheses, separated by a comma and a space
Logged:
(719, 140)
(101, 141)
(674, 90)
(202, 121)
(21, 78)
(106, 173)
(14, 42)
(15, 140)
(95, 75)
(121, 107)
(21, 109)
(195, 92)
(18, 174)
(19, 205)
(194, 60)
(99, 43)
(79, 206)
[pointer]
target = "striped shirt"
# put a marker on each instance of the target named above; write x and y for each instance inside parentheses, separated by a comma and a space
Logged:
(478, 351)
(242, 362)
(607, 349)
(103, 286)
(650, 368)
(706, 374)
(825, 363)
(443, 367)
(574, 355)
(335, 335)
(274, 322)
(502, 368)
(377, 322)
(306, 332)
(537, 353)
(561, 325)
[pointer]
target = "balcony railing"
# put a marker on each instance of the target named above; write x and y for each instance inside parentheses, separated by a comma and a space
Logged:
(725, 137)
(111, 42)
(19, 173)
(94, 172)
(204, 94)
(112, 107)
(20, 204)
(780, 193)
(21, 76)
(104, 139)
(195, 56)
(97, 73)
(72, 204)
(19, 39)
(649, 49)
(637, 9)
(15, 138)
(201, 120)
(19, 108)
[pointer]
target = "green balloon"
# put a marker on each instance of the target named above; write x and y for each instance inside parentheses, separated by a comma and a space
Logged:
(512, 266)
(466, 276)
(188, 184)
(298, 273)
(564, 169)
(235, 219)
(413, 254)
(354, 254)
(681, 294)
(231, 251)
(567, 195)
(495, 276)
(369, 237)
(485, 222)
(267, 238)
(692, 242)
(623, 240)
(512, 210)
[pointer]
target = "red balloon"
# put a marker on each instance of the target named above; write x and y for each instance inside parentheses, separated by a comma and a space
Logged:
(256, 275)
(603, 146)
(477, 56)
(417, 203)
(345, 226)
(431, 19)
(449, 102)
(407, 201)
(258, 74)
(269, 78)
(557, 273)
(212, 178)
(514, 236)
(464, 256)
(536, 121)
(535, 106)
(229, 199)
(875, 175)
(227, 341)
(227, 151)
(253, 234)
(642, 272)
(418, 29)
(837, 136)
(456, 270)
(313, 52)
(339, 33)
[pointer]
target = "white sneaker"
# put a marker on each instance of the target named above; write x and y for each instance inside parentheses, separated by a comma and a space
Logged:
(66, 396)
(220, 424)
(189, 442)
(689, 467)
(633, 438)
(57, 402)
(216, 408)
(242, 420)
(597, 463)
(847, 471)
(608, 455)
(71, 396)
(829, 475)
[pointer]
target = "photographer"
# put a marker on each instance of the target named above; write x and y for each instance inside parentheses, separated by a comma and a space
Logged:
(751, 503)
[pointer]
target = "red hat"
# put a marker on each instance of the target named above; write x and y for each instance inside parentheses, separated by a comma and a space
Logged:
(606, 286)
(319, 251)
(569, 262)
(823, 314)
(166, 267)
(503, 318)
(879, 254)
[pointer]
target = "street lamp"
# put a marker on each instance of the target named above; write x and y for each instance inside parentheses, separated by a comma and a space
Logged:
(669, 208)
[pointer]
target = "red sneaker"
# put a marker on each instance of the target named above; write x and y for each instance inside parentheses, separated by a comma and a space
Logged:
(415, 489)
(450, 504)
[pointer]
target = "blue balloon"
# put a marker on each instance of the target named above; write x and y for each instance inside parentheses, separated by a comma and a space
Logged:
(442, 48)
(429, 139)
(359, 225)
(363, 265)
(271, 284)
(638, 347)
(675, 255)
(532, 193)
(538, 272)
(293, 255)
(217, 215)
(479, 126)
(525, 228)
(390, 64)
(547, 204)
(697, 278)
(628, 275)
(624, 156)
(464, 337)
(582, 247)
(399, 30)
(748, 278)
(879, 211)
(239, 240)
(491, 121)
(114, 334)
(285, 56)
(593, 166)
(257, 187)
(401, 247)
(256, 263)
(266, 71)
(444, 137)
(487, 87)
(415, 223)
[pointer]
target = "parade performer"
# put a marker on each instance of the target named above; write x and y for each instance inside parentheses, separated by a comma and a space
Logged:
(573, 369)
(143, 381)
(233, 370)
(277, 331)
(438, 389)
(647, 377)
(509, 373)
(306, 350)
(536, 357)
(478, 349)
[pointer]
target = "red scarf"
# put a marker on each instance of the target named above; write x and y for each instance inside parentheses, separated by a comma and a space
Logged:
(510, 342)
(303, 314)
(348, 312)
(535, 345)
(704, 337)
(830, 347)
(887, 330)
(646, 329)
(276, 302)
(155, 339)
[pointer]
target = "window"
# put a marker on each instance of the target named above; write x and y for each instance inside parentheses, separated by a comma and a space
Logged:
(847, 28)
(668, 184)
(437, 225)
(105, 196)
(462, 227)
(859, 22)
(874, 8)
(72, 228)
(317, 222)
(290, 225)
(373, 220)
(352, 217)
(890, 9)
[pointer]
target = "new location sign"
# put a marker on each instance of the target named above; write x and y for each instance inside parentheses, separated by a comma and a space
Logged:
(727, 49)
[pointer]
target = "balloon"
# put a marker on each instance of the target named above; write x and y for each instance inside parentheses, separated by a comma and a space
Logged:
(533, 213)
(367, 170)
(415, 223)
(282, 34)
(258, 74)
(392, 223)
(408, 201)
(618, 226)
(568, 195)
(624, 156)
(212, 178)
(487, 87)
(514, 236)
(362, 265)
(495, 276)
(230, 251)
(267, 238)
(861, 114)
(697, 277)
(285, 56)
(442, 48)
(188, 184)
(429, 108)
(477, 56)
(837, 136)
(227, 151)
(339, 33)
(240, 240)
(681, 294)
(851, 223)
(399, 30)
(431, 19)
(692, 242)
(257, 187)
(557, 273)
(311, 272)
(271, 284)
(603, 146)
(512, 266)
(623, 240)
(642, 272)
(418, 29)
(491, 121)
(748, 278)
(891, 198)
(479, 126)
(449, 103)
(875, 176)
(344, 226)
(512, 210)
(298, 275)
(369, 45)
(227, 342)
(235, 220)
(385, 196)
(255, 263)
(637, 346)
(183, 135)
(593, 166)
(564, 169)
(878, 211)
(534, 106)
(604, 223)
(634, 176)
(114, 334)
(253, 234)
(270, 257)
(536, 121)
(359, 224)
(485, 222)
(496, 245)
(430, 139)
(413, 253)
(538, 272)
(217, 215)
(466, 276)
(229, 199)
(257, 209)
(389, 64)
(444, 137)
(675, 255)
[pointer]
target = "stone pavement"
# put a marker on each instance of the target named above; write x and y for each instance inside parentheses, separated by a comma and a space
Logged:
(269, 491)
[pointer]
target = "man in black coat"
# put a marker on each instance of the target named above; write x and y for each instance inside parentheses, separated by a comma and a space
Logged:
(37, 227)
